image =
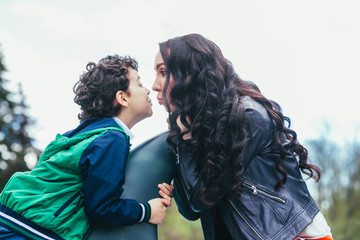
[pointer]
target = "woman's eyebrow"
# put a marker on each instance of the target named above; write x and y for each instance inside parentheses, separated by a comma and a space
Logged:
(157, 66)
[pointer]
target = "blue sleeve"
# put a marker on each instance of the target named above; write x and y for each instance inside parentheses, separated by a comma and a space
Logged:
(103, 162)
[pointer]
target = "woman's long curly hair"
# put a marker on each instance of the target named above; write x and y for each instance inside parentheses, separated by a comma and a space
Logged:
(96, 90)
(205, 94)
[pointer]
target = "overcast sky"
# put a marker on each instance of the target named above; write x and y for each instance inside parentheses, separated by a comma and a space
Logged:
(303, 54)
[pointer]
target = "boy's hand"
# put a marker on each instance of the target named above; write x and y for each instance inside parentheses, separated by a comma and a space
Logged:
(158, 210)
(166, 193)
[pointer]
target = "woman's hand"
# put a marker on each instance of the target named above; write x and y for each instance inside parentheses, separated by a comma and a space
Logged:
(166, 193)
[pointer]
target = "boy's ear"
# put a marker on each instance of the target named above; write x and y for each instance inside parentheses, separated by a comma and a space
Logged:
(121, 98)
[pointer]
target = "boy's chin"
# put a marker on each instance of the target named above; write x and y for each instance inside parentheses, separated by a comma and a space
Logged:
(143, 116)
(149, 114)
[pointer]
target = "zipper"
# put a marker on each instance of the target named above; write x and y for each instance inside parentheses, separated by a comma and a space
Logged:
(79, 201)
(256, 190)
(246, 221)
(177, 154)
(68, 202)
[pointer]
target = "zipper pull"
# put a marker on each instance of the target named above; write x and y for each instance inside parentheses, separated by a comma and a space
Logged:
(81, 193)
(254, 189)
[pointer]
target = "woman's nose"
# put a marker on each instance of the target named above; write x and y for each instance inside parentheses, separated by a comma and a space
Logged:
(156, 86)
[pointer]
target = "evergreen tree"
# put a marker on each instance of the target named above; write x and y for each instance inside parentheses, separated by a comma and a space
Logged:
(15, 144)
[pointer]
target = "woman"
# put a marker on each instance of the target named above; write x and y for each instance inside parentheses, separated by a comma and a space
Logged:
(238, 164)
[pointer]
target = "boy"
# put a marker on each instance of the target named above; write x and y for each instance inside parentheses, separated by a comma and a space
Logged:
(79, 177)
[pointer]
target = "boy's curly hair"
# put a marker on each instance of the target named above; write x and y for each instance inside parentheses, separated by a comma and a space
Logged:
(95, 91)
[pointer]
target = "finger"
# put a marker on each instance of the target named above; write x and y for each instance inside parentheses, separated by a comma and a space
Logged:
(165, 202)
(164, 195)
(165, 189)
(169, 187)
(166, 185)
(164, 192)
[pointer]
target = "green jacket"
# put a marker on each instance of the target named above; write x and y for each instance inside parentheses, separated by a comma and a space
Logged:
(51, 195)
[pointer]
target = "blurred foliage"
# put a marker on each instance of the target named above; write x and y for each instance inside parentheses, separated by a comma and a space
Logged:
(175, 227)
(15, 144)
(338, 191)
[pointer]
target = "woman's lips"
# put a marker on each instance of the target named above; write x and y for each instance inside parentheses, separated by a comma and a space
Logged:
(160, 100)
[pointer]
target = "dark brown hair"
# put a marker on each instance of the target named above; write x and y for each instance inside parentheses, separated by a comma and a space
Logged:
(95, 91)
(206, 94)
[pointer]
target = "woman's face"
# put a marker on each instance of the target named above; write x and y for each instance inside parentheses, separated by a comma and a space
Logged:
(161, 72)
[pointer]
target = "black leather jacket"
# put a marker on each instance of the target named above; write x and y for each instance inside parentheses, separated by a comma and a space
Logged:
(262, 212)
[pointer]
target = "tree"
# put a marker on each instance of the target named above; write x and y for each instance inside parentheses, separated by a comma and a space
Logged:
(15, 144)
(338, 191)
(325, 153)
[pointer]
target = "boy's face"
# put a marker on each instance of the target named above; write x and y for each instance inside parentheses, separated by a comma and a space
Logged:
(138, 97)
